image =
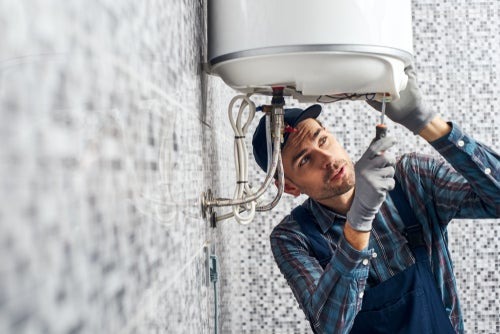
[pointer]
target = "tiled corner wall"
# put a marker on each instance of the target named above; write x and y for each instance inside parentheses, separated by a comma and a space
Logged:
(110, 130)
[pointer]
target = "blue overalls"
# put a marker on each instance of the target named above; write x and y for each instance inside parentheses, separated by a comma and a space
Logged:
(407, 303)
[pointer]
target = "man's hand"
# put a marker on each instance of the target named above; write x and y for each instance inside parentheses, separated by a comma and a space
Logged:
(374, 177)
(409, 110)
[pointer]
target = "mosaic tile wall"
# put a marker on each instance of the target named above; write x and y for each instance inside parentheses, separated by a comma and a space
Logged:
(457, 50)
(109, 131)
(107, 140)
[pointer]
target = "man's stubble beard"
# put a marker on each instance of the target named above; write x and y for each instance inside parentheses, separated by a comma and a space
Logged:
(329, 191)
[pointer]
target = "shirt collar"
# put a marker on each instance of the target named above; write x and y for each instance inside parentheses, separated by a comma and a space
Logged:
(325, 217)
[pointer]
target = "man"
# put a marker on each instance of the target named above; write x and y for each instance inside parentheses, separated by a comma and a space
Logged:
(387, 268)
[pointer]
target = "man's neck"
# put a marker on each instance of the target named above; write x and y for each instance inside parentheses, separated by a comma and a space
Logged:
(341, 203)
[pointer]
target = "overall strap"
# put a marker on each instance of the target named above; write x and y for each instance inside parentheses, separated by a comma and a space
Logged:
(319, 246)
(413, 230)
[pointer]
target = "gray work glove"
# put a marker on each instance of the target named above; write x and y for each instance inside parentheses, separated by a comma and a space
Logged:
(409, 110)
(374, 177)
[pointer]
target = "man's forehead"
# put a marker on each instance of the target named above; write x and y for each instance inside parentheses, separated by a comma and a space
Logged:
(307, 129)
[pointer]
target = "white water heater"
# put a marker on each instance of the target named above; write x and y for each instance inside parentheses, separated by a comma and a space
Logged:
(314, 48)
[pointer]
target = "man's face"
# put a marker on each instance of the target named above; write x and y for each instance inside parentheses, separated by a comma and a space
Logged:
(316, 164)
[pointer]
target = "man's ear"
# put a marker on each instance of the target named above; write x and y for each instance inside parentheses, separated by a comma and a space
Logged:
(290, 187)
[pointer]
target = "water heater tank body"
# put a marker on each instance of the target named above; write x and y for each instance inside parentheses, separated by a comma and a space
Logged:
(314, 48)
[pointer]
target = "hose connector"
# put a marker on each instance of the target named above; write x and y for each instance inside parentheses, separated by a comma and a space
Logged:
(278, 100)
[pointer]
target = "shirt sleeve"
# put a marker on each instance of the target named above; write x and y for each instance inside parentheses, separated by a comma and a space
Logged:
(332, 297)
(478, 169)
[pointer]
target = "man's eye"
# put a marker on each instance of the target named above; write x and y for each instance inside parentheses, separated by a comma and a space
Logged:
(303, 161)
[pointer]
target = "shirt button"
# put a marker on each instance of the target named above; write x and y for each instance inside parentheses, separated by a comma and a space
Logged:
(487, 171)
(365, 262)
(461, 143)
(361, 294)
(374, 255)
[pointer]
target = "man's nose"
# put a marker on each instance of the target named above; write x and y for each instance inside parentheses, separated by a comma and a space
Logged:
(326, 159)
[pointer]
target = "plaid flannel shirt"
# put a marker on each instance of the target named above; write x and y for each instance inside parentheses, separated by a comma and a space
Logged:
(468, 186)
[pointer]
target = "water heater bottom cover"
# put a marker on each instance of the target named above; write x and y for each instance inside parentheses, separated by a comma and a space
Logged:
(313, 74)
